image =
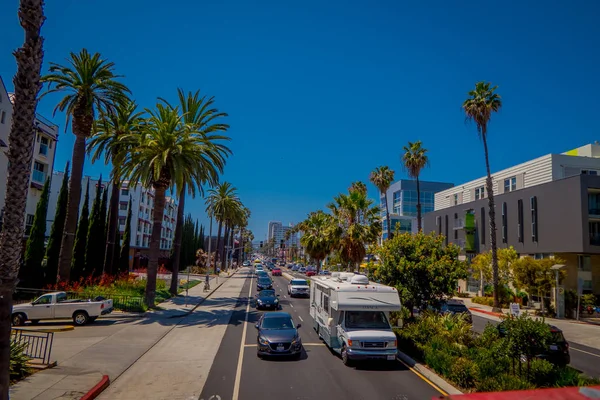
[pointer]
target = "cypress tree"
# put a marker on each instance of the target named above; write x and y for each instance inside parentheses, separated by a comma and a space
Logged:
(56, 232)
(101, 245)
(93, 266)
(117, 250)
(32, 274)
(201, 237)
(78, 262)
(124, 256)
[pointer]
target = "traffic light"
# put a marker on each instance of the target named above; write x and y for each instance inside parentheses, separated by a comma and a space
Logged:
(261, 244)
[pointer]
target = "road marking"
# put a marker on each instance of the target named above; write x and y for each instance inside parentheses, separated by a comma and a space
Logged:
(284, 296)
(300, 318)
(303, 344)
(422, 377)
(291, 305)
(238, 373)
(583, 351)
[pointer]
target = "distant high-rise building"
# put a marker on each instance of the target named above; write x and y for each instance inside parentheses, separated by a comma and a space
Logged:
(277, 231)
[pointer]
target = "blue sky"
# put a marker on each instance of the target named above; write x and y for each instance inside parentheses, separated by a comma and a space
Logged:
(320, 93)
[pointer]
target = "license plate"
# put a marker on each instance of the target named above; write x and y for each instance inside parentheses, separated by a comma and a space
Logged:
(553, 347)
(280, 347)
(391, 358)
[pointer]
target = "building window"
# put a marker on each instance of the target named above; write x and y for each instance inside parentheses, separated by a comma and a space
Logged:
(122, 220)
(504, 223)
(510, 184)
(446, 228)
(584, 263)
(137, 240)
(455, 199)
(480, 193)
(29, 219)
(438, 222)
(534, 219)
(124, 192)
(455, 224)
(39, 174)
(123, 206)
(139, 226)
(482, 230)
(594, 227)
(520, 218)
(2, 117)
(44, 144)
(589, 172)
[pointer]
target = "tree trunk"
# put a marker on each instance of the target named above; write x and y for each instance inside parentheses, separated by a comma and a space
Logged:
(387, 216)
(218, 244)
(177, 244)
(113, 221)
(66, 249)
(157, 219)
(418, 205)
(21, 141)
(224, 246)
(492, 217)
(319, 265)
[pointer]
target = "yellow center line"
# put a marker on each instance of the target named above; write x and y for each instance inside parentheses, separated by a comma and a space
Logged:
(423, 377)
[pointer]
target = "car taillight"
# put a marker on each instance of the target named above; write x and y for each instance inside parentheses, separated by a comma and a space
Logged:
(102, 306)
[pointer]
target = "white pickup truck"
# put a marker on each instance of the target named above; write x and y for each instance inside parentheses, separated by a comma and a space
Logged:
(56, 306)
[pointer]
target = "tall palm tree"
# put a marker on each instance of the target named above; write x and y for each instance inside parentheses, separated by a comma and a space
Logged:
(198, 116)
(317, 237)
(356, 224)
(478, 107)
(91, 87)
(219, 202)
(109, 131)
(168, 156)
(27, 86)
(382, 177)
(359, 186)
(414, 160)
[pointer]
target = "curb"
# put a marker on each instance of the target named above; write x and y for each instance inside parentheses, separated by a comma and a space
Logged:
(96, 390)
(47, 329)
(430, 377)
(481, 310)
(125, 316)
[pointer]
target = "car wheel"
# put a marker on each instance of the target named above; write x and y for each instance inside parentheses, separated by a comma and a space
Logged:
(80, 318)
(345, 359)
(18, 319)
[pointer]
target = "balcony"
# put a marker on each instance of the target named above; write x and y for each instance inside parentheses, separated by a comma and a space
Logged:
(43, 150)
(595, 240)
(38, 176)
(594, 213)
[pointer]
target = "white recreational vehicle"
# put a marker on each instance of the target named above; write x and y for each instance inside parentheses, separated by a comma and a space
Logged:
(351, 315)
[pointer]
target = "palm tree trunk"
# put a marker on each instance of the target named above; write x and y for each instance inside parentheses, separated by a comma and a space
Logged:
(224, 246)
(387, 216)
(492, 217)
(66, 249)
(418, 205)
(177, 244)
(218, 244)
(21, 141)
(157, 219)
(113, 221)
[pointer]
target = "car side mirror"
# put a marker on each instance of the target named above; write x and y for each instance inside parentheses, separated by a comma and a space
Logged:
(256, 326)
(298, 326)
(277, 295)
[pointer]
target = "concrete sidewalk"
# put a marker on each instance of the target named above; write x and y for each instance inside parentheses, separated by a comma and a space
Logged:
(178, 365)
(87, 353)
(575, 331)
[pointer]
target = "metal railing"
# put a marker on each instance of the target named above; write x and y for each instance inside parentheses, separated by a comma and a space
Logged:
(38, 176)
(37, 344)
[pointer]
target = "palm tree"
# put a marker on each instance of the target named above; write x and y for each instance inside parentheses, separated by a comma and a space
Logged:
(198, 115)
(480, 105)
(219, 202)
(383, 177)
(91, 87)
(359, 186)
(414, 160)
(109, 130)
(167, 156)
(27, 86)
(356, 224)
(317, 235)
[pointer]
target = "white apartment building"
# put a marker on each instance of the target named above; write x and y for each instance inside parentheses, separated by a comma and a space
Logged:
(44, 150)
(277, 231)
(142, 203)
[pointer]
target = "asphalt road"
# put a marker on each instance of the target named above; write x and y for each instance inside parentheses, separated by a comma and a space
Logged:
(238, 374)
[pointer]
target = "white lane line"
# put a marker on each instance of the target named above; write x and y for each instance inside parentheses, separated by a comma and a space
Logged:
(291, 305)
(583, 351)
(238, 373)
(300, 318)
(284, 296)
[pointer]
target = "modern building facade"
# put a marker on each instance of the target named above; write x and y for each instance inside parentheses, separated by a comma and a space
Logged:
(44, 150)
(402, 203)
(547, 207)
(142, 202)
(278, 231)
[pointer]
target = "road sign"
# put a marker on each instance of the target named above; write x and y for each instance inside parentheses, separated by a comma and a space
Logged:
(579, 285)
(515, 310)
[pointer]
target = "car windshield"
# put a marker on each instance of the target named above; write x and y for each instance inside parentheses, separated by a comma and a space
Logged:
(366, 320)
(557, 337)
(299, 282)
(267, 293)
(277, 323)
(264, 281)
(457, 308)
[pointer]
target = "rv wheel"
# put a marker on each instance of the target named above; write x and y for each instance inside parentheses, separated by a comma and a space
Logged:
(345, 359)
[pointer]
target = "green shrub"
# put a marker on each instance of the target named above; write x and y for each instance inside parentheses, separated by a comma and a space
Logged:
(463, 373)
(463, 295)
(588, 300)
(18, 361)
(569, 376)
(503, 382)
(438, 358)
(486, 301)
(541, 373)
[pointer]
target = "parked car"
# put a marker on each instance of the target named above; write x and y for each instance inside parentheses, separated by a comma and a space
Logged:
(324, 272)
(264, 283)
(262, 274)
(276, 271)
(557, 351)
(455, 307)
(267, 299)
(298, 287)
(302, 270)
(295, 268)
(56, 306)
(246, 263)
(278, 336)
(311, 272)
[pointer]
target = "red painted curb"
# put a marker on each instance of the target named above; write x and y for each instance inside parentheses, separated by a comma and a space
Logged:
(481, 310)
(96, 390)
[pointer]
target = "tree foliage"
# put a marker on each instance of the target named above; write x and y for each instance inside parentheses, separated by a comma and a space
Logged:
(317, 237)
(482, 264)
(78, 264)
(56, 232)
(94, 250)
(124, 255)
(421, 267)
(32, 273)
(536, 276)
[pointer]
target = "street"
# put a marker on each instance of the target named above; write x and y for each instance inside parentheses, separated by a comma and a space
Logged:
(237, 373)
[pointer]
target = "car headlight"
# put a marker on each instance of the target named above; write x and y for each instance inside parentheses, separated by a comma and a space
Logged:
(263, 341)
(296, 341)
(276, 300)
(392, 343)
(259, 301)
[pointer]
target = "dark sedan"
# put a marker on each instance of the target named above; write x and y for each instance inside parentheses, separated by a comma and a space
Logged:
(262, 274)
(456, 308)
(264, 283)
(268, 300)
(278, 336)
(557, 350)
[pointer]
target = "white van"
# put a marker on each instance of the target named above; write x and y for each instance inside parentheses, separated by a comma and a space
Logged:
(351, 315)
